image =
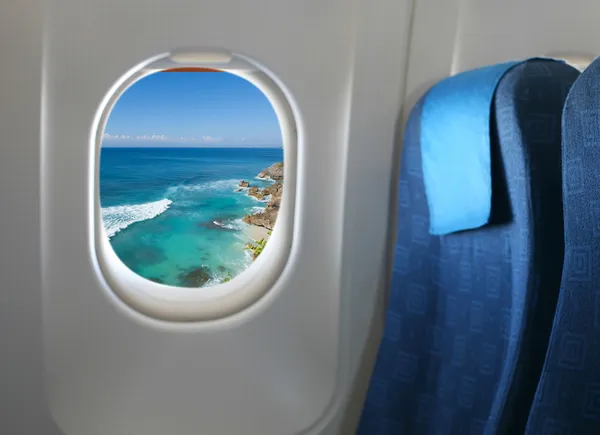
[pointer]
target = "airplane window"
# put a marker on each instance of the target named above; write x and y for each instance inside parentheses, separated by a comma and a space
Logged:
(191, 176)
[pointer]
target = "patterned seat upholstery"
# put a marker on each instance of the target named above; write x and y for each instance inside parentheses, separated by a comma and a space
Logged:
(470, 312)
(567, 401)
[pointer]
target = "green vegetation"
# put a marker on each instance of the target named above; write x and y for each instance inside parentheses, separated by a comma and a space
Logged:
(256, 247)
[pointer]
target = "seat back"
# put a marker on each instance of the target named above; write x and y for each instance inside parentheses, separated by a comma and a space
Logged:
(469, 311)
(567, 400)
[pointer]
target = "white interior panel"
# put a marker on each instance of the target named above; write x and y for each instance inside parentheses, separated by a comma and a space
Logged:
(456, 35)
(280, 366)
(494, 31)
(23, 408)
(295, 361)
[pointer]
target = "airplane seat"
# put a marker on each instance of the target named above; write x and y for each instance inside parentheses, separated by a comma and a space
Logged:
(478, 255)
(567, 401)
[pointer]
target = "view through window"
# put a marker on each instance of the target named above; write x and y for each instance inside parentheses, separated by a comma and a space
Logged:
(191, 176)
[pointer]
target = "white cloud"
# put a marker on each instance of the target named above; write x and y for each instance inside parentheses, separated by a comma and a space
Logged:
(212, 139)
(206, 139)
(159, 137)
(116, 136)
(145, 137)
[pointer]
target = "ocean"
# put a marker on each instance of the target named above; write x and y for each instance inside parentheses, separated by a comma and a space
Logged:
(173, 215)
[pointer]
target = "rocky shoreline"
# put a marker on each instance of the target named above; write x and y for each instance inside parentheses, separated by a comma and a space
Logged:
(261, 224)
(272, 194)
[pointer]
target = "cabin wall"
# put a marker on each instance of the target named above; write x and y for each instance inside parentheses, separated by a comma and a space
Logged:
(72, 357)
(453, 36)
(286, 364)
(23, 409)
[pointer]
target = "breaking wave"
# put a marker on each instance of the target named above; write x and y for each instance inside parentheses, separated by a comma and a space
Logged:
(119, 217)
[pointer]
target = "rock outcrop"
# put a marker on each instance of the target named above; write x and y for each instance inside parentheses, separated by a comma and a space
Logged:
(256, 193)
(268, 216)
(244, 184)
(275, 189)
(264, 219)
(196, 277)
(274, 172)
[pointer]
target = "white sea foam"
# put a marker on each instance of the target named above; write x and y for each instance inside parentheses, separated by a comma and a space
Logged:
(119, 217)
(216, 186)
(265, 199)
(230, 224)
(265, 178)
(257, 210)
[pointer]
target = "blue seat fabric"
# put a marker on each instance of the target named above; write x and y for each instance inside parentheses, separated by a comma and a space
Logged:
(469, 313)
(567, 401)
(456, 150)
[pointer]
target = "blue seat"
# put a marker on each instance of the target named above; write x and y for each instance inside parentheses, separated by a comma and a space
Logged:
(470, 312)
(567, 401)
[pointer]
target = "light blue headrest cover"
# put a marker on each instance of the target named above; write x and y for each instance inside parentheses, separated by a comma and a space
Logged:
(456, 149)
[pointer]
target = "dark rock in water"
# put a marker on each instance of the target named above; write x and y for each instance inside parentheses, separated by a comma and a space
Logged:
(222, 268)
(214, 225)
(196, 277)
(223, 222)
(274, 172)
(255, 192)
(157, 280)
(210, 225)
(239, 189)
(244, 184)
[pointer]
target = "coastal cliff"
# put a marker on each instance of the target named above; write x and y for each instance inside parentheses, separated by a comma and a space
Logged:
(268, 216)
(274, 172)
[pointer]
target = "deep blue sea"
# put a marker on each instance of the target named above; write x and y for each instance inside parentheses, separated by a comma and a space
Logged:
(170, 211)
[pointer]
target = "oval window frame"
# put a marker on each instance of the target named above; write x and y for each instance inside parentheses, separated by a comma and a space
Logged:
(185, 304)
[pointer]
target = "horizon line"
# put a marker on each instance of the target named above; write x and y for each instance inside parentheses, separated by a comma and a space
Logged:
(194, 147)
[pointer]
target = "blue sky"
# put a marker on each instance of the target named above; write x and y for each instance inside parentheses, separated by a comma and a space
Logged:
(209, 109)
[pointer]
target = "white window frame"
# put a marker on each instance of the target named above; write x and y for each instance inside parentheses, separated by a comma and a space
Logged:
(180, 304)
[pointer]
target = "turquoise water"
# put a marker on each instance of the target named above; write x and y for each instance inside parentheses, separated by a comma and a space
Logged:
(172, 214)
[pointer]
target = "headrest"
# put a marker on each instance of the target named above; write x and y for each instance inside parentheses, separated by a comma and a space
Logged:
(456, 149)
